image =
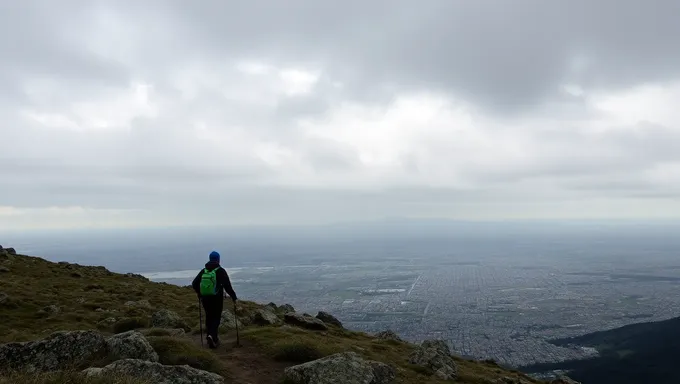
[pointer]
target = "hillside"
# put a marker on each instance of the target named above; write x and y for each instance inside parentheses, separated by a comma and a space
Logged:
(637, 353)
(39, 298)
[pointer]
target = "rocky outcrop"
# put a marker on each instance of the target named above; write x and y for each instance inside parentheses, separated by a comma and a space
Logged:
(108, 322)
(388, 335)
(436, 356)
(229, 321)
(168, 319)
(286, 308)
(10, 251)
(303, 321)
(265, 317)
(130, 345)
(59, 351)
(341, 368)
(155, 373)
(328, 319)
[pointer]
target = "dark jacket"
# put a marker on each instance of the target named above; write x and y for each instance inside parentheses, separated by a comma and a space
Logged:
(223, 282)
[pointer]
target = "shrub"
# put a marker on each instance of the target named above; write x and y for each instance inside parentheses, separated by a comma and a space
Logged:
(295, 351)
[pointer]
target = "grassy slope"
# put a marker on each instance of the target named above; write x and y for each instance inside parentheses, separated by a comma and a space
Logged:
(87, 295)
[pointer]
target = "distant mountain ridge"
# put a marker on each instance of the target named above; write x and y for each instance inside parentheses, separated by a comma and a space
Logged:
(633, 354)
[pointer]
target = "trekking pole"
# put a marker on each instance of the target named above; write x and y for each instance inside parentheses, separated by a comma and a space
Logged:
(200, 317)
(238, 341)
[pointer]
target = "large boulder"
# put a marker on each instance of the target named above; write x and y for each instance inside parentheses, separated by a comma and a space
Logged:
(388, 335)
(10, 251)
(168, 319)
(130, 345)
(341, 368)
(265, 317)
(436, 356)
(59, 351)
(229, 321)
(328, 319)
(155, 373)
(303, 321)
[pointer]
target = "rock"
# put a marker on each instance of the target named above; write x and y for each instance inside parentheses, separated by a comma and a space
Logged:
(271, 306)
(3, 269)
(265, 317)
(136, 276)
(328, 319)
(155, 373)
(229, 321)
(168, 319)
(10, 251)
(341, 368)
(76, 275)
(130, 345)
(307, 322)
(388, 335)
(435, 355)
(60, 350)
(286, 308)
(109, 321)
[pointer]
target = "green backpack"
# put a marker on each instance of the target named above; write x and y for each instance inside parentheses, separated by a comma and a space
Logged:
(209, 282)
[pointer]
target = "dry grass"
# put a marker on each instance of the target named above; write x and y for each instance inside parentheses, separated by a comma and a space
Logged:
(65, 378)
(86, 298)
(180, 351)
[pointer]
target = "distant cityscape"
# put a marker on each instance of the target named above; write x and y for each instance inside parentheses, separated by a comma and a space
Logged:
(495, 292)
(485, 310)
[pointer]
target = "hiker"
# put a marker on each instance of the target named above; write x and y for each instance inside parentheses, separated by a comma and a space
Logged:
(210, 284)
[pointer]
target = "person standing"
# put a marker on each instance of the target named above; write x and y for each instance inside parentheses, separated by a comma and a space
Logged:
(210, 284)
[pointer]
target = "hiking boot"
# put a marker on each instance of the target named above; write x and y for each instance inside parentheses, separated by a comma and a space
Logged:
(211, 342)
(217, 343)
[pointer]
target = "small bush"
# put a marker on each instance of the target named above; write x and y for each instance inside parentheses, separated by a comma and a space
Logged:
(178, 351)
(295, 352)
(128, 324)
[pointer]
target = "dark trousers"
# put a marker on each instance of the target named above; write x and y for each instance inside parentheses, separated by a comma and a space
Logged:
(213, 314)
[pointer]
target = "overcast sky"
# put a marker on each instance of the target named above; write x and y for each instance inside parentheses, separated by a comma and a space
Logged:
(145, 113)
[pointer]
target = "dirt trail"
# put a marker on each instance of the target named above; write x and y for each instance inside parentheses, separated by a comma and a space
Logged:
(247, 364)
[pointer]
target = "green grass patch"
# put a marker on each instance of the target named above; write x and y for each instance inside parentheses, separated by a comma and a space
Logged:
(180, 351)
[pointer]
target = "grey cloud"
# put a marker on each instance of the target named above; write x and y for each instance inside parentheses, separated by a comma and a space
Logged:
(504, 55)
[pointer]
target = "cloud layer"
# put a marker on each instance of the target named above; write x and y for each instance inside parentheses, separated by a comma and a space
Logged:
(121, 113)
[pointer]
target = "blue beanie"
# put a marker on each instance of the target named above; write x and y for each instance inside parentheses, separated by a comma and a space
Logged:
(214, 256)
